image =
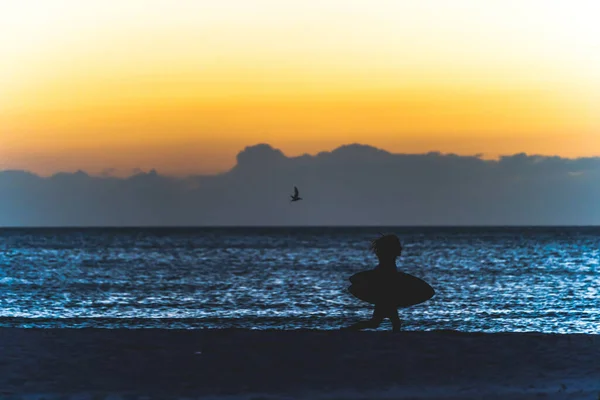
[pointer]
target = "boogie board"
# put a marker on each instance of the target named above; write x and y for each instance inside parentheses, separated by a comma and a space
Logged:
(399, 289)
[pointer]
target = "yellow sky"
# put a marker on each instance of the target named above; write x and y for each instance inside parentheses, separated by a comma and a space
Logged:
(182, 86)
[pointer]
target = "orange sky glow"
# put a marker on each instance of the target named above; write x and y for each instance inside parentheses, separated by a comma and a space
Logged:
(184, 86)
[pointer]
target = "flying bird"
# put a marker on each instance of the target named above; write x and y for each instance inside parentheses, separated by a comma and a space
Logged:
(295, 196)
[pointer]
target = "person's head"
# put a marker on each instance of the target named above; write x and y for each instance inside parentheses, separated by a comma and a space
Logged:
(387, 247)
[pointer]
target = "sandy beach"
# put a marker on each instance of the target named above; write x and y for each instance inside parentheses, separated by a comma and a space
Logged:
(242, 364)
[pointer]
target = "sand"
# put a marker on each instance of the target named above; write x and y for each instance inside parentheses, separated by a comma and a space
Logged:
(242, 364)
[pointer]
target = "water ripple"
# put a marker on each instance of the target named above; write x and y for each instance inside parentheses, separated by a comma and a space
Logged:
(491, 280)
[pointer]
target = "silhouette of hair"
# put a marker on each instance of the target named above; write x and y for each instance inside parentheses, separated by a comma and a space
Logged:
(386, 246)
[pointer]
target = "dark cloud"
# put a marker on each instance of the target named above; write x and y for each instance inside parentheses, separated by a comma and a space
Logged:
(352, 185)
(107, 172)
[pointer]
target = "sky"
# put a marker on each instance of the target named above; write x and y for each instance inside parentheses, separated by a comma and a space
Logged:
(184, 86)
(353, 185)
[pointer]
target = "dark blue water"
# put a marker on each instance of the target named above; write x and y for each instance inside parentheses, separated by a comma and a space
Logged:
(486, 279)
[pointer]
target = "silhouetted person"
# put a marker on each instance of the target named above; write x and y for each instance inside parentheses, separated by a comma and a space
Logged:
(387, 248)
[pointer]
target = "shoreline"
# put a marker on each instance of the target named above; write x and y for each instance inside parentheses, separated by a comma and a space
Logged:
(276, 364)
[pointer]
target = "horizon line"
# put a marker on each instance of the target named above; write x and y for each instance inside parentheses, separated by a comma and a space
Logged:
(434, 226)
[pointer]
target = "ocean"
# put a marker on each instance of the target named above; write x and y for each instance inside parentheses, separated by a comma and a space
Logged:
(511, 279)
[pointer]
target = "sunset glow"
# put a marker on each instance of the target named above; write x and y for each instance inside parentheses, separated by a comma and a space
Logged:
(183, 86)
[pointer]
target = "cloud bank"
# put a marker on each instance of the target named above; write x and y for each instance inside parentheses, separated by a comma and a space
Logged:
(351, 185)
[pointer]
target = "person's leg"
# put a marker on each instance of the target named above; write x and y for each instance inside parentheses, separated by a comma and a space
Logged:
(396, 323)
(390, 312)
(372, 323)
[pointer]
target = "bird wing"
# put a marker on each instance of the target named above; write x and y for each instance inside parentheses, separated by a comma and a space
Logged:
(295, 191)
